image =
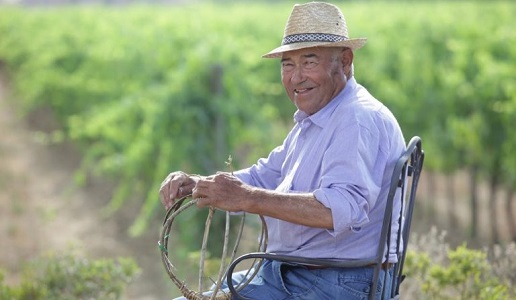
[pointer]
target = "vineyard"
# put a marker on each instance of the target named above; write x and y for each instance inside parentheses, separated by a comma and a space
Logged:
(144, 90)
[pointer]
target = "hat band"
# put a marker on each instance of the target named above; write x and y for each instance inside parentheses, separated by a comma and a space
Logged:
(312, 37)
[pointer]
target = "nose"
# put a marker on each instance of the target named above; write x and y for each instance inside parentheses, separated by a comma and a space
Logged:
(298, 75)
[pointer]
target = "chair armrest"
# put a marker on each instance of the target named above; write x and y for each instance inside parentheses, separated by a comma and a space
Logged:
(322, 262)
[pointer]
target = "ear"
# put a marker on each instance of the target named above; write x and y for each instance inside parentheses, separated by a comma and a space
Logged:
(347, 60)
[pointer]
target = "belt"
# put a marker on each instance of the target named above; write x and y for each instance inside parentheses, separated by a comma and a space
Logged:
(385, 266)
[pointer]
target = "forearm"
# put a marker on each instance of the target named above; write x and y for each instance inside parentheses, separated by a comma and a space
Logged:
(302, 209)
(226, 192)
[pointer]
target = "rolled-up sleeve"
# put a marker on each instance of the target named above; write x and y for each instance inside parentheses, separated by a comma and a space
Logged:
(349, 183)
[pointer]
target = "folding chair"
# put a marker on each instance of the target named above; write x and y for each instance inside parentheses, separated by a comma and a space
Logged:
(405, 178)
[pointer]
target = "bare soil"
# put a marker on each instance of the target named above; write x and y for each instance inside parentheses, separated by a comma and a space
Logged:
(43, 210)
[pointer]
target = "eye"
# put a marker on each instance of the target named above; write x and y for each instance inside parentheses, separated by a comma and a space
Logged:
(310, 64)
(287, 66)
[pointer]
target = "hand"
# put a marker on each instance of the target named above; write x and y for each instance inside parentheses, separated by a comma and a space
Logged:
(223, 191)
(175, 186)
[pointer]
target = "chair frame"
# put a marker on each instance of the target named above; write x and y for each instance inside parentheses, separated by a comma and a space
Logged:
(405, 177)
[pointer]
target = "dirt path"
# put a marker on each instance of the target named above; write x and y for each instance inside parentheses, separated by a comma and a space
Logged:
(41, 209)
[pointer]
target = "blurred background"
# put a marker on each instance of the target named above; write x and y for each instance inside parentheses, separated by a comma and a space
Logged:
(100, 100)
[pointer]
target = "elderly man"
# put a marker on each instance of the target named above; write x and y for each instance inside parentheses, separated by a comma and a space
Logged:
(323, 191)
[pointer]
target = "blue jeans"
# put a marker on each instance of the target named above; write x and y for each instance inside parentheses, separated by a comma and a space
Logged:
(284, 281)
(277, 280)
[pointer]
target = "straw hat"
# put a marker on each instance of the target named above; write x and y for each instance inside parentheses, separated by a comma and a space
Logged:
(315, 24)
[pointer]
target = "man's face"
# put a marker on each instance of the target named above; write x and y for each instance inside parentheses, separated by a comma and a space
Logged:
(312, 77)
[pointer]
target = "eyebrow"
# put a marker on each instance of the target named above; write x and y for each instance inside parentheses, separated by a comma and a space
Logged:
(310, 55)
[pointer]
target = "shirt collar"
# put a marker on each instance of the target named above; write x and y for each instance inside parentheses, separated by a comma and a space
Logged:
(322, 117)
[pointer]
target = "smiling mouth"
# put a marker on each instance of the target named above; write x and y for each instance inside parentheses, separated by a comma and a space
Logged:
(302, 91)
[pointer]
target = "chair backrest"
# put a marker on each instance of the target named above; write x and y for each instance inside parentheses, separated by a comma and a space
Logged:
(405, 178)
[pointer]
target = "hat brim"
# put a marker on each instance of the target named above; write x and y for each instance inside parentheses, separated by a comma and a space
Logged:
(353, 44)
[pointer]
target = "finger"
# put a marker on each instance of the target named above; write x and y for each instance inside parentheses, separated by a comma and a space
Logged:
(199, 192)
(195, 192)
(163, 195)
(167, 201)
(187, 189)
(176, 189)
(167, 192)
(174, 183)
(203, 202)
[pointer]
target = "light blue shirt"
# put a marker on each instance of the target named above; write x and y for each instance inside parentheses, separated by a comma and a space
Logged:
(344, 154)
